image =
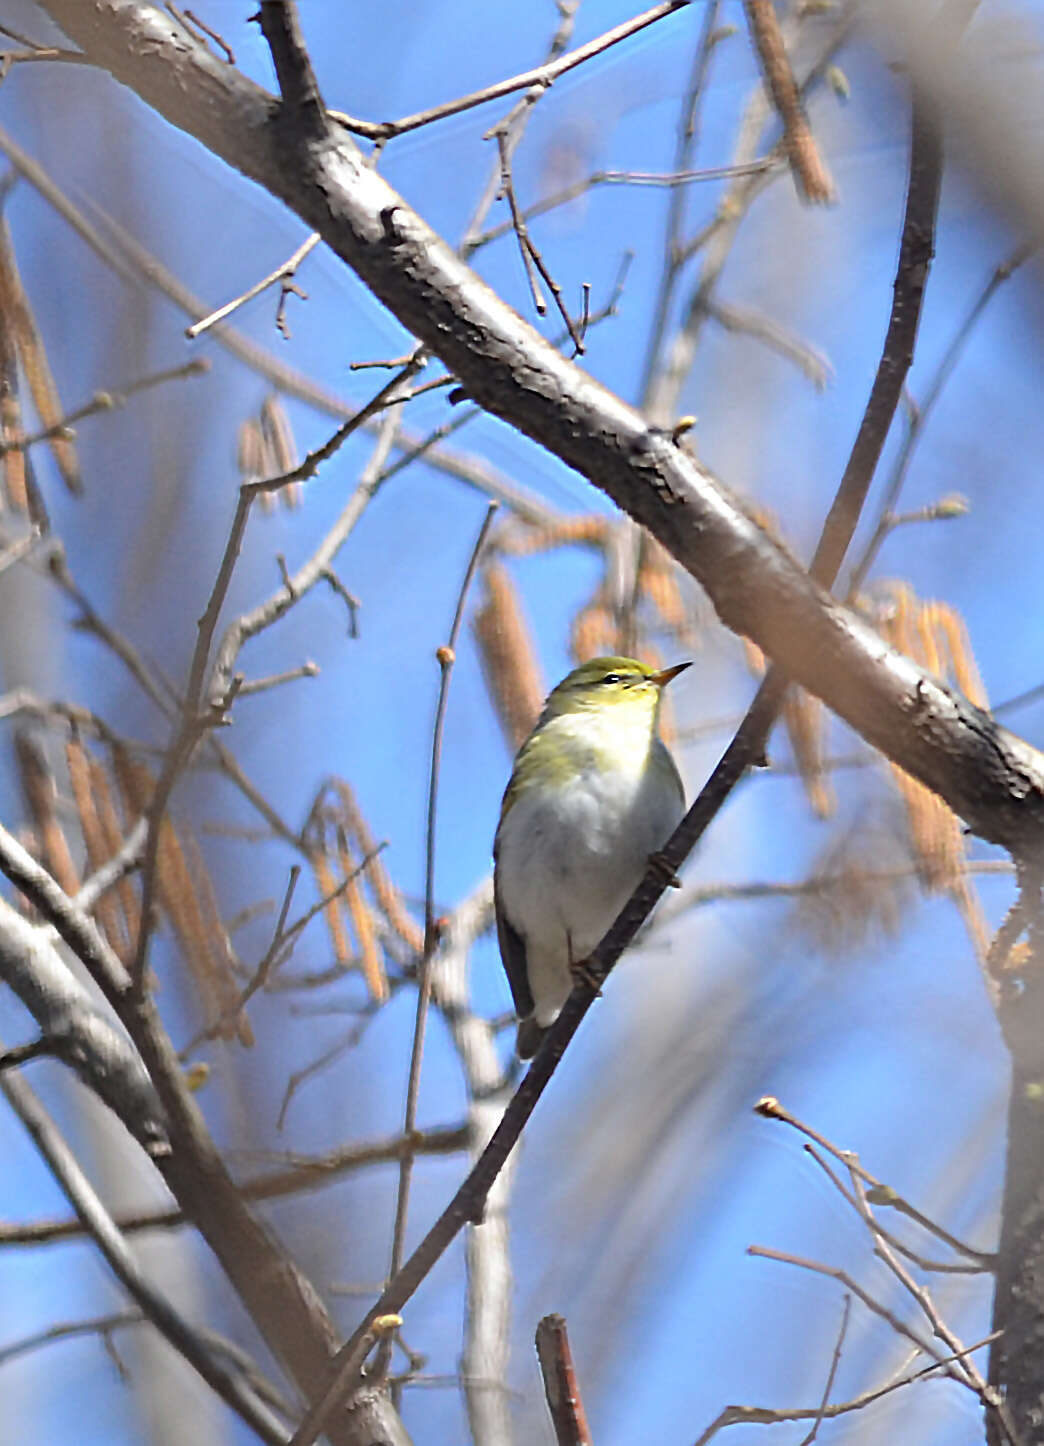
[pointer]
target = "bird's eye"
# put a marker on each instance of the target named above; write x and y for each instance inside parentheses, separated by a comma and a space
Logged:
(612, 678)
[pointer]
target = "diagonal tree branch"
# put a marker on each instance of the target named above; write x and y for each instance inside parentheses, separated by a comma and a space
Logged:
(231, 1384)
(987, 775)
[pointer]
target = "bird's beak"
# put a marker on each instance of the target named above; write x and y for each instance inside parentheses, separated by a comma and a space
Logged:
(662, 678)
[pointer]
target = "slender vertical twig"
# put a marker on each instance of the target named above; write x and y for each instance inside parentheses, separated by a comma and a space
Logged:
(446, 656)
(746, 749)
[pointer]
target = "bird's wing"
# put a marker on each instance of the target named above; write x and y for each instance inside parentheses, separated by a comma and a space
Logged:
(513, 955)
(665, 761)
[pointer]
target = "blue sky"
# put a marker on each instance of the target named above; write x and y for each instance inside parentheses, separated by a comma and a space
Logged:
(634, 1204)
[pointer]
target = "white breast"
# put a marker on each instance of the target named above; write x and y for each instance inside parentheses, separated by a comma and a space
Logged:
(570, 854)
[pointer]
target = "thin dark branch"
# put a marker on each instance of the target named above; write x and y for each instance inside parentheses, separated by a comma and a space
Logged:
(920, 414)
(746, 749)
(542, 76)
(916, 249)
(229, 1384)
(446, 656)
(300, 1175)
(297, 83)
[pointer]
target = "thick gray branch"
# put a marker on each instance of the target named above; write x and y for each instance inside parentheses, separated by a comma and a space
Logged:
(77, 1032)
(987, 775)
(230, 1383)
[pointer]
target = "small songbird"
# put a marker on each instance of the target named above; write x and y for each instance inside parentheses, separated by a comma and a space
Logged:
(593, 795)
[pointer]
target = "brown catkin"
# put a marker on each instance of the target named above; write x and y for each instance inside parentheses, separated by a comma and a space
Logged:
(33, 355)
(508, 657)
(385, 891)
(106, 911)
(358, 912)
(595, 632)
(41, 796)
(327, 886)
(111, 828)
(933, 635)
(804, 718)
(188, 903)
(525, 538)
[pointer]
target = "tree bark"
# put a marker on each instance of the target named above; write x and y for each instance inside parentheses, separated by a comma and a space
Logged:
(991, 778)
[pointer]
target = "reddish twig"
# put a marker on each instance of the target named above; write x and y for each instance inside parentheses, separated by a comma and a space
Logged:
(810, 174)
(560, 1383)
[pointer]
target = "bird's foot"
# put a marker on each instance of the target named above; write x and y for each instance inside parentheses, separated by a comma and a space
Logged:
(664, 872)
(582, 971)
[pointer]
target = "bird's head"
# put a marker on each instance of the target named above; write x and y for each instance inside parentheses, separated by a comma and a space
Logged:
(610, 683)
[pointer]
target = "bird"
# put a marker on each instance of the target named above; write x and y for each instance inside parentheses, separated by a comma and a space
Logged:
(593, 795)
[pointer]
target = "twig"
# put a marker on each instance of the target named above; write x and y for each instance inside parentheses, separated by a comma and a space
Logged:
(104, 401)
(561, 1389)
(275, 680)
(920, 415)
(193, 723)
(91, 621)
(542, 76)
(769, 1416)
(230, 1385)
(534, 262)
(189, 17)
(811, 176)
(301, 1174)
(126, 858)
(101, 1325)
(819, 1267)
(281, 273)
(746, 320)
(21, 549)
(769, 1108)
(673, 179)
(835, 1361)
(939, 1266)
(446, 656)
(20, 1054)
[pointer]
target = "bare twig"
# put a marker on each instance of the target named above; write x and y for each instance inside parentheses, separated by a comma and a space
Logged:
(126, 859)
(746, 320)
(105, 401)
(300, 1175)
(561, 1389)
(940, 1266)
(818, 1267)
(280, 274)
(230, 1384)
(542, 76)
(918, 417)
(534, 262)
(513, 127)
(880, 1194)
(768, 1416)
(446, 656)
(835, 1361)
(810, 174)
